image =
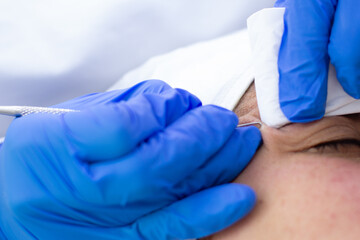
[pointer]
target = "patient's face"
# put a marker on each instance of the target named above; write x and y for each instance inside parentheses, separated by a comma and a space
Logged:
(307, 180)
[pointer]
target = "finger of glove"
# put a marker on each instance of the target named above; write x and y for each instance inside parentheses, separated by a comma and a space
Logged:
(303, 58)
(344, 47)
(2, 236)
(280, 3)
(196, 216)
(94, 99)
(199, 215)
(149, 173)
(225, 165)
(111, 130)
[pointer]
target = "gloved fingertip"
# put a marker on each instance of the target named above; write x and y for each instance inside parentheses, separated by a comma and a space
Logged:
(171, 104)
(194, 101)
(233, 202)
(249, 141)
(201, 214)
(349, 78)
(225, 204)
(301, 112)
(251, 135)
(280, 3)
(244, 198)
(155, 86)
(224, 113)
(303, 99)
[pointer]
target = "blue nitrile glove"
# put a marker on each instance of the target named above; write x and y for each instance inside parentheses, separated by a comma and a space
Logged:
(146, 163)
(315, 30)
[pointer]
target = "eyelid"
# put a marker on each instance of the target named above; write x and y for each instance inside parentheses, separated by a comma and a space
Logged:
(352, 142)
(300, 137)
(329, 135)
(344, 147)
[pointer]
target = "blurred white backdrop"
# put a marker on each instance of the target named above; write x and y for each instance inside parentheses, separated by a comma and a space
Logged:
(51, 51)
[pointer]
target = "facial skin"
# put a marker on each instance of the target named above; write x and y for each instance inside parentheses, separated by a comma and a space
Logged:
(307, 187)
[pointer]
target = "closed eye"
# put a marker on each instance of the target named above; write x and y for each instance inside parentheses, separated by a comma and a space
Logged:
(339, 146)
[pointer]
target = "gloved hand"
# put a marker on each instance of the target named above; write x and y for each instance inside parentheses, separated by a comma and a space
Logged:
(315, 30)
(144, 163)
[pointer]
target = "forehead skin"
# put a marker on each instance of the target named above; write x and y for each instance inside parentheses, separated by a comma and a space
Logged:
(302, 193)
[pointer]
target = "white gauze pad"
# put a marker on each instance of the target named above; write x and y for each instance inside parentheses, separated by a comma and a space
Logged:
(266, 29)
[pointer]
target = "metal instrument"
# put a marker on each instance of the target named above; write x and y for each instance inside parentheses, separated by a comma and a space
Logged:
(18, 111)
(256, 124)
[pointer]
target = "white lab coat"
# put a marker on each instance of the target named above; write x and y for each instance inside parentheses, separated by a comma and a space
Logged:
(51, 51)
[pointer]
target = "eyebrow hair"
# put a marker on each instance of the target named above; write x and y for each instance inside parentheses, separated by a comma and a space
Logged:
(247, 108)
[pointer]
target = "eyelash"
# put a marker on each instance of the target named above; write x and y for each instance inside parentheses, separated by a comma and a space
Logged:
(335, 145)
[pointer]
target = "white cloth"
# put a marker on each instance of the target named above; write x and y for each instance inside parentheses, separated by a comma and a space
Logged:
(266, 29)
(221, 70)
(51, 51)
(217, 71)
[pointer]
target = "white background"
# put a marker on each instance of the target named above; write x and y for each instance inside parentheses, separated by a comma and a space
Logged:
(51, 51)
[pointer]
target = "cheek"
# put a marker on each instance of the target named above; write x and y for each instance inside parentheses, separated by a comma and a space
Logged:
(313, 187)
(300, 195)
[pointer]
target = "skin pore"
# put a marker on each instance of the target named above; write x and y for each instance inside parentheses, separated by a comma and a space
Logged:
(306, 177)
